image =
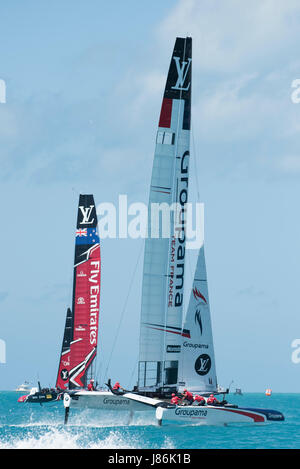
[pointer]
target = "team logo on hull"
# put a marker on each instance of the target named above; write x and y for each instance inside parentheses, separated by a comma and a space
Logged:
(182, 71)
(203, 364)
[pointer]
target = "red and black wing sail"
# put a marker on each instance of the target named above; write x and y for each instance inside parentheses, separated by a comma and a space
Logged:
(86, 293)
(178, 85)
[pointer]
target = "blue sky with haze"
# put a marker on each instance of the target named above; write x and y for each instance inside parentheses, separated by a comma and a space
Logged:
(84, 87)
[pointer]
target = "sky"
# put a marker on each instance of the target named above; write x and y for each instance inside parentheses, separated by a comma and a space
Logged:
(84, 83)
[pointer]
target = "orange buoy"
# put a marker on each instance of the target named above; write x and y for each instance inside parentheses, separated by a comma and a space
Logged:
(268, 392)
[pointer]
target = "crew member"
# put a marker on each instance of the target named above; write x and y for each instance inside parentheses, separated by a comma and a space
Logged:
(91, 386)
(175, 399)
(187, 397)
(199, 400)
(117, 387)
(212, 400)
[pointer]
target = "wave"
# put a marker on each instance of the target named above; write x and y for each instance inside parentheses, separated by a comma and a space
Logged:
(56, 438)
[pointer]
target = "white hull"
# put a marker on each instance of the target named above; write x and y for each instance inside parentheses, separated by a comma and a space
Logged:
(25, 387)
(209, 415)
(106, 400)
(201, 415)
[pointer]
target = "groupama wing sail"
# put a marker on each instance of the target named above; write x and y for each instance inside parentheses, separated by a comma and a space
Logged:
(163, 274)
(86, 294)
(198, 369)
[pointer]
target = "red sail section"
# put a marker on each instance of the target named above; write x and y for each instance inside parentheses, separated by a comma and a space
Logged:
(86, 317)
(166, 113)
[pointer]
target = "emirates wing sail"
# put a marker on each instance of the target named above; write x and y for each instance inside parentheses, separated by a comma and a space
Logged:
(62, 380)
(86, 293)
(163, 274)
(198, 369)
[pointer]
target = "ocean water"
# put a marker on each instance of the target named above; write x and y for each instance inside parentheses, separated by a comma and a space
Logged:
(35, 426)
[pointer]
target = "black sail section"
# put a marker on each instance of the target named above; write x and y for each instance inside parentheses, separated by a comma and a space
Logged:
(179, 79)
(68, 331)
(64, 363)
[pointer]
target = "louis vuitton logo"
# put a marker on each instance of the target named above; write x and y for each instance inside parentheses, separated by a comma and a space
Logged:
(182, 71)
(86, 213)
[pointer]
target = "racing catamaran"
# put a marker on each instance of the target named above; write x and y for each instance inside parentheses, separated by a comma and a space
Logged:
(79, 346)
(163, 275)
(81, 330)
(173, 354)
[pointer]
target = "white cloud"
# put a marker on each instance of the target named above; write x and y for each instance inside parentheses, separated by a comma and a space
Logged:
(244, 106)
(232, 34)
(289, 164)
(8, 122)
(243, 61)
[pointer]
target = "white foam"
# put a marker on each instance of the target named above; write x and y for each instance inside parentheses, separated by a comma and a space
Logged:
(62, 439)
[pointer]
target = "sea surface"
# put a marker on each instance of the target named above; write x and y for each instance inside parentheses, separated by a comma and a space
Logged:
(35, 426)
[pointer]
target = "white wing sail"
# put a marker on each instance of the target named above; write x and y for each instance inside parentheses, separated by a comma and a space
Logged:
(163, 274)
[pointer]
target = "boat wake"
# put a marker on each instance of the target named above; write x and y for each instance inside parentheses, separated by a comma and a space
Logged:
(55, 438)
(71, 438)
(87, 430)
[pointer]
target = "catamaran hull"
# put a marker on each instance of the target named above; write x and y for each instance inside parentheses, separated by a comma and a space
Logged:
(210, 415)
(106, 400)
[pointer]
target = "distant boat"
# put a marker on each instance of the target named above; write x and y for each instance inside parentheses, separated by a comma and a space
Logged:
(238, 392)
(221, 390)
(23, 387)
(268, 392)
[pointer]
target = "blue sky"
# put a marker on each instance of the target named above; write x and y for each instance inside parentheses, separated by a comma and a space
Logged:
(84, 87)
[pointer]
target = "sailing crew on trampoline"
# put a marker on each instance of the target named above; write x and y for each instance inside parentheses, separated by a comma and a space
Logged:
(199, 400)
(91, 386)
(187, 397)
(212, 400)
(175, 399)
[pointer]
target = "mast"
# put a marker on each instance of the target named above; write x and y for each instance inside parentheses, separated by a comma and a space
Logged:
(164, 258)
(197, 364)
(86, 293)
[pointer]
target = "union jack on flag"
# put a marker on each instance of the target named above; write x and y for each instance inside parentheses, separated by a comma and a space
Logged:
(81, 232)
